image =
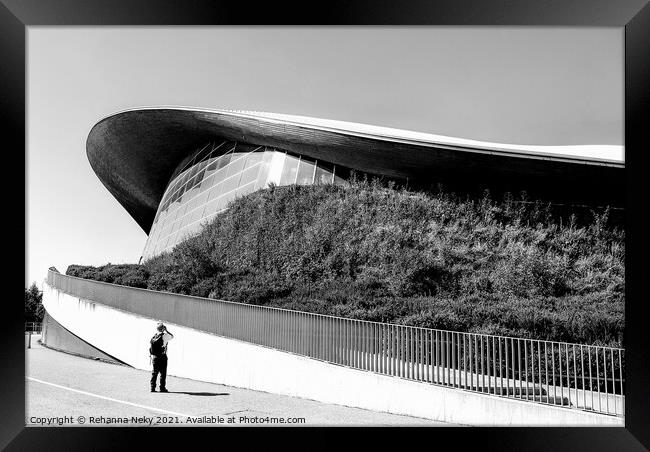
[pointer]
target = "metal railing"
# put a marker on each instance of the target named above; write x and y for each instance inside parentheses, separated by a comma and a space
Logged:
(33, 327)
(557, 373)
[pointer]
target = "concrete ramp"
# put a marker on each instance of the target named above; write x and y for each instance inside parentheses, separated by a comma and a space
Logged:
(208, 357)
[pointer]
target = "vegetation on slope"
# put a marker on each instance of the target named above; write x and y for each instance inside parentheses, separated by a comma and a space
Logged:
(375, 253)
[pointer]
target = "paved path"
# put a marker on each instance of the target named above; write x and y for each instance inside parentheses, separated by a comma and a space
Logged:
(61, 388)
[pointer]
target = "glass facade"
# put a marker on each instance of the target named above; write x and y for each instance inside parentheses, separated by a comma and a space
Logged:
(218, 173)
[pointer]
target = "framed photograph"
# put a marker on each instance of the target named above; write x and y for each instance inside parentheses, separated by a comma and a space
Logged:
(401, 216)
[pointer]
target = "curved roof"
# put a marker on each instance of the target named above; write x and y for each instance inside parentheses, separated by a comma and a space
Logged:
(135, 152)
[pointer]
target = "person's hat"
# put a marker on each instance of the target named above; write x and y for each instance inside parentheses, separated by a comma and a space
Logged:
(160, 326)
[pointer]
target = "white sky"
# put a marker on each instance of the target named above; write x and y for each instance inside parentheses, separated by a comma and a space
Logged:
(536, 86)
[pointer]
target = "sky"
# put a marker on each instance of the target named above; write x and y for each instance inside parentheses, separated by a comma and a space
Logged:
(517, 85)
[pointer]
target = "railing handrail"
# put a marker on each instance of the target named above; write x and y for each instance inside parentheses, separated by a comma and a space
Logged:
(329, 315)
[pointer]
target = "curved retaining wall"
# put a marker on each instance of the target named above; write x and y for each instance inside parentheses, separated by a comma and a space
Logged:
(203, 356)
(57, 337)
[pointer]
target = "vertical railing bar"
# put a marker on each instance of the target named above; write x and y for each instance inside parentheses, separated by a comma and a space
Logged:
(448, 357)
(465, 361)
(398, 350)
(539, 368)
(424, 354)
(500, 367)
(526, 367)
(351, 343)
(559, 347)
(409, 351)
(405, 351)
(575, 375)
(521, 392)
(445, 357)
(420, 351)
(460, 358)
(454, 362)
(546, 371)
(357, 344)
(469, 357)
(514, 368)
(480, 338)
(364, 344)
(494, 365)
(402, 351)
(605, 378)
(385, 338)
(532, 367)
(388, 342)
(334, 336)
(394, 347)
(371, 341)
(611, 354)
(379, 351)
(568, 376)
(600, 408)
(591, 381)
(582, 374)
(476, 360)
(384, 349)
(411, 358)
(397, 355)
(427, 358)
(378, 343)
(299, 333)
(418, 354)
(507, 367)
(437, 370)
(414, 358)
(620, 373)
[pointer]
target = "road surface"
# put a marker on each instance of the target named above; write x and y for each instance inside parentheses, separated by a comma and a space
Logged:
(63, 389)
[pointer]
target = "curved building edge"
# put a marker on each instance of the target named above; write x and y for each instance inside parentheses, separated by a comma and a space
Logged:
(137, 153)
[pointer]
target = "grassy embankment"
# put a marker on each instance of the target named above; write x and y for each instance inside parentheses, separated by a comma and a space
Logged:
(369, 252)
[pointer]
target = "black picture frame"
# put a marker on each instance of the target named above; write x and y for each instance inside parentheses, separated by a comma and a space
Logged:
(633, 15)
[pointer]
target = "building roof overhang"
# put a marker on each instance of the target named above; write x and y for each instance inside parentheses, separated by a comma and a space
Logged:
(135, 152)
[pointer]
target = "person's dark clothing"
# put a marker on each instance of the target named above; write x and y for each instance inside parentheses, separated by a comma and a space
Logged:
(159, 366)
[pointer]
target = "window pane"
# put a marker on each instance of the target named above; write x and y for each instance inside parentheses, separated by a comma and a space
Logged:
(230, 184)
(210, 207)
(342, 174)
(290, 170)
(305, 171)
(263, 173)
(254, 158)
(236, 164)
(223, 160)
(324, 172)
(245, 189)
(249, 175)
(212, 164)
(215, 191)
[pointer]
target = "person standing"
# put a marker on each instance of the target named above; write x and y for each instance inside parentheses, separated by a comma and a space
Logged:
(158, 353)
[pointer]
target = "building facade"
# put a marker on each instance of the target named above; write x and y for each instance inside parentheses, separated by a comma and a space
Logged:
(173, 169)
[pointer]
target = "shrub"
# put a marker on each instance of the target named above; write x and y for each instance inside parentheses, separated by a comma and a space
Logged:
(435, 260)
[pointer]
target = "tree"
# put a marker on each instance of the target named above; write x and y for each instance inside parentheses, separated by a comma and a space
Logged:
(34, 310)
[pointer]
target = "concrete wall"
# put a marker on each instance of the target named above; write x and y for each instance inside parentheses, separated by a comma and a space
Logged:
(203, 356)
(57, 337)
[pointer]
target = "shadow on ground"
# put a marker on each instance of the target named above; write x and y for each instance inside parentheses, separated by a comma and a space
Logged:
(205, 394)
